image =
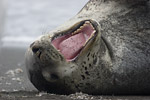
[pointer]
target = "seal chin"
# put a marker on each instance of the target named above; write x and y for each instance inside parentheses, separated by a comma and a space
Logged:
(29, 60)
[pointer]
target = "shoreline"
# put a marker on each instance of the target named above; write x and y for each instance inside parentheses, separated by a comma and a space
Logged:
(34, 95)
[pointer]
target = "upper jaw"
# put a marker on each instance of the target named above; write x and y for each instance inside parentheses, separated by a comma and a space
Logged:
(41, 47)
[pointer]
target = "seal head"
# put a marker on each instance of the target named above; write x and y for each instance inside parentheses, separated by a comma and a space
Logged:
(64, 59)
(108, 56)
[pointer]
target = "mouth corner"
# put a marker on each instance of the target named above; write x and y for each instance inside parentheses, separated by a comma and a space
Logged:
(71, 42)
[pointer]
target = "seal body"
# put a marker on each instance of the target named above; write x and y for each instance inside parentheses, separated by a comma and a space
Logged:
(112, 57)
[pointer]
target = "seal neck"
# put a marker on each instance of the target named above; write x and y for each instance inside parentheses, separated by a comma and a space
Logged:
(127, 2)
(119, 1)
(100, 9)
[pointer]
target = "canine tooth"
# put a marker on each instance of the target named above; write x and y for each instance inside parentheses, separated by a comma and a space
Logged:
(92, 26)
(90, 37)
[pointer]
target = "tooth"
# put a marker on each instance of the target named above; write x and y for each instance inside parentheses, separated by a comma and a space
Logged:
(81, 27)
(75, 32)
(92, 26)
(90, 37)
(78, 30)
(87, 22)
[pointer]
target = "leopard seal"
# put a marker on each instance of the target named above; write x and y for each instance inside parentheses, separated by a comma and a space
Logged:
(104, 49)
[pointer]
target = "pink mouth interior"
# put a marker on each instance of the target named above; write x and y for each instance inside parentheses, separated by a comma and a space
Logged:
(70, 45)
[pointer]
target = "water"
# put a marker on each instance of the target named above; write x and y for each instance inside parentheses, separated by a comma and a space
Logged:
(25, 20)
(28, 19)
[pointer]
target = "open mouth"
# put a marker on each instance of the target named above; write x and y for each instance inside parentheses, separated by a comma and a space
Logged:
(71, 44)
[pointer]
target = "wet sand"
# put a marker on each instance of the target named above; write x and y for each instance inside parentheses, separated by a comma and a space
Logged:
(14, 84)
(13, 75)
(24, 95)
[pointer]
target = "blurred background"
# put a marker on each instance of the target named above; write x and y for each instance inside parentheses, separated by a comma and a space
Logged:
(21, 22)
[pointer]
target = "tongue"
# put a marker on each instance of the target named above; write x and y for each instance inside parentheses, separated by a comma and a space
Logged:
(72, 45)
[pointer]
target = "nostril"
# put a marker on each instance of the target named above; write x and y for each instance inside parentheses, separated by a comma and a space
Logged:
(35, 49)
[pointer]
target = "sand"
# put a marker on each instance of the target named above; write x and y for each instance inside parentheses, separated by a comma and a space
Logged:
(14, 84)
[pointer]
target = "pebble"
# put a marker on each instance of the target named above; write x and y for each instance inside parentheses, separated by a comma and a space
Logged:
(12, 73)
(2, 78)
(81, 96)
(41, 94)
(8, 83)
(18, 70)
(16, 79)
(15, 90)
(3, 90)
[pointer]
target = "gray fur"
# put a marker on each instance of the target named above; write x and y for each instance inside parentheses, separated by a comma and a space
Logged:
(118, 63)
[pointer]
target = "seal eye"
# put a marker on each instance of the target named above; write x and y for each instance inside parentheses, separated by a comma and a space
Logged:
(70, 45)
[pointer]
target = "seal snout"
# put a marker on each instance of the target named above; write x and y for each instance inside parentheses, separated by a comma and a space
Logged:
(36, 48)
